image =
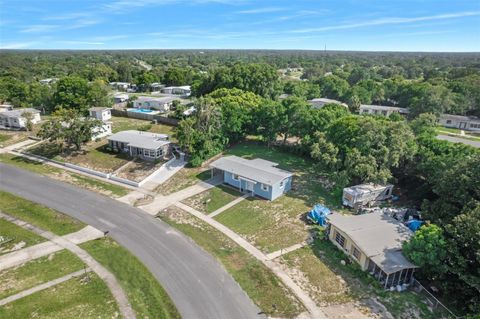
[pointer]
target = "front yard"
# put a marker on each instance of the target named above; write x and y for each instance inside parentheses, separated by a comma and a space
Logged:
(212, 199)
(273, 225)
(14, 237)
(184, 178)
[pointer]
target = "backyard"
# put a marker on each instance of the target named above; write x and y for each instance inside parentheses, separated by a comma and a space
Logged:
(126, 123)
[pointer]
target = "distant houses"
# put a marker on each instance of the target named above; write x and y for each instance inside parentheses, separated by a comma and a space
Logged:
(120, 98)
(144, 145)
(48, 81)
(318, 103)
(460, 122)
(103, 114)
(161, 104)
(16, 119)
(383, 110)
(100, 113)
(257, 176)
(177, 90)
(374, 241)
(123, 86)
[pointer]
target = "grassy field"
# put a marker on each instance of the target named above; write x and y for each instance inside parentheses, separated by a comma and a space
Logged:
(93, 155)
(38, 271)
(17, 236)
(272, 225)
(262, 286)
(334, 283)
(38, 215)
(147, 297)
(184, 178)
(212, 199)
(84, 297)
(66, 176)
(468, 135)
(4, 138)
(125, 123)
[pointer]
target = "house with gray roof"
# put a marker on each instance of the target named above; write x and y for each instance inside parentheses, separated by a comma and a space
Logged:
(16, 119)
(161, 104)
(374, 241)
(257, 176)
(318, 103)
(145, 145)
(467, 123)
(383, 110)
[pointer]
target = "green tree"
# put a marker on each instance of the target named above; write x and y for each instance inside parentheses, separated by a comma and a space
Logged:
(428, 249)
(72, 93)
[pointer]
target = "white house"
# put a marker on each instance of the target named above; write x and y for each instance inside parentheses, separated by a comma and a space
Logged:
(100, 113)
(156, 87)
(102, 130)
(162, 104)
(146, 145)
(6, 107)
(48, 81)
(177, 90)
(15, 119)
(120, 97)
(318, 103)
(461, 122)
(123, 86)
(382, 110)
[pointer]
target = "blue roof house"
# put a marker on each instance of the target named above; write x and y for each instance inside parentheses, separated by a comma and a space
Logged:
(260, 177)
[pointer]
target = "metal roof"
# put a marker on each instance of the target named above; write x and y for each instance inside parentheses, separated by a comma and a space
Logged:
(259, 170)
(166, 99)
(365, 188)
(98, 109)
(322, 101)
(378, 236)
(384, 108)
(140, 139)
(18, 112)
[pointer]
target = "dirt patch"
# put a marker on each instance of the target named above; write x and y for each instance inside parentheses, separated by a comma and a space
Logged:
(145, 200)
(179, 216)
(138, 169)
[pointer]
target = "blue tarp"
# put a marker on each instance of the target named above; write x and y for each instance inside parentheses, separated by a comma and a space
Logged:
(318, 214)
(414, 224)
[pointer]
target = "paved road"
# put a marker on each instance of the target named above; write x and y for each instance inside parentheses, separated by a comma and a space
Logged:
(198, 285)
(459, 140)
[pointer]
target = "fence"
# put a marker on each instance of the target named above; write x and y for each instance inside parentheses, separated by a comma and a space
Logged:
(432, 300)
(145, 116)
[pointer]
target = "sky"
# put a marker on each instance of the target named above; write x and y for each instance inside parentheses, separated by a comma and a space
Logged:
(366, 25)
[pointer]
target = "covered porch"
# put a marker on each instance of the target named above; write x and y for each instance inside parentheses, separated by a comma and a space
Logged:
(391, 269)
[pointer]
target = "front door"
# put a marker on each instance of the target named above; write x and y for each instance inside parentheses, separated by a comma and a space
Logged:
(463, 124)
(249, 186)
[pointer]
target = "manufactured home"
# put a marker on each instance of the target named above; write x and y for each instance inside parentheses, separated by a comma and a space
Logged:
(467, 123)
(145, 145)
(16, 119)
(383, 110)
(366, 194)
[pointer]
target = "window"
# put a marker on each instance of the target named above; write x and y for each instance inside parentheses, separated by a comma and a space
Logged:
(339, 239)
(356, 253)
(159, 152)
(235, 177)
(449, 121)
(282, 183)
(264, 187)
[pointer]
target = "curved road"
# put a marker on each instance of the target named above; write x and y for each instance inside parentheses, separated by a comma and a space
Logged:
(197, 284)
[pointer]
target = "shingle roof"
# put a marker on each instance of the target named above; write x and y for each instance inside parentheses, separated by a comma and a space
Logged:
(258, 169)
(141, 139)
(378, 235)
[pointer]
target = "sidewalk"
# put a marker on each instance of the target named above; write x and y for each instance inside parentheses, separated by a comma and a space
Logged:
(309, 304)
(117, 291)
(231, 204)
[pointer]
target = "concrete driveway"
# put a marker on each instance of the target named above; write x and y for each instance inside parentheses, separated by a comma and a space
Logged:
(196, 282)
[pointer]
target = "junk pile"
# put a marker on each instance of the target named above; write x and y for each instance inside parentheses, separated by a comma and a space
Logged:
(411, 217)
(318, 215)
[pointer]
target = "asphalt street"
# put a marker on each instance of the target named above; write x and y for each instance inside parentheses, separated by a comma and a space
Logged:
(198, 285)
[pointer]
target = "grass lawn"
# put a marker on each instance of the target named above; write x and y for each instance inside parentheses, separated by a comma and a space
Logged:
(468, 135)
(16, 237)
(93, 155)
(38, 271)
(38, 215)
(212, 199)
(147, 297)
(335, 283)
(83, 297)
(4, 138)
(261, 285)
(272, 225)
(184, 178)
(66, 176)
(125, 123)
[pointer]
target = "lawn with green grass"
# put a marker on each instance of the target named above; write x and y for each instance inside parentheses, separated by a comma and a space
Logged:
(187, 176)
(86, 297)
(272, 225)
(4, 138)
(148, 298)
(66, 176)
(38, 215)
(261, 285)
(209, 201)
(38, 271)
(125, 123)
(16, 237)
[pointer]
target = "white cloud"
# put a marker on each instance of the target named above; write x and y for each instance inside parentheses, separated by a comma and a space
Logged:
(387, 21)
(262, 10)
(18, 45)
(39, 28)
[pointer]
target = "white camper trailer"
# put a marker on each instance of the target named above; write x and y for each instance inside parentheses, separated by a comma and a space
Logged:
(366, 194)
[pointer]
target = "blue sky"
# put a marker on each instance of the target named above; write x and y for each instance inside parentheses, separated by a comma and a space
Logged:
(373, 25)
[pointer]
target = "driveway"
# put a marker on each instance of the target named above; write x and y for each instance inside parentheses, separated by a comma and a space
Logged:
(196, 282)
